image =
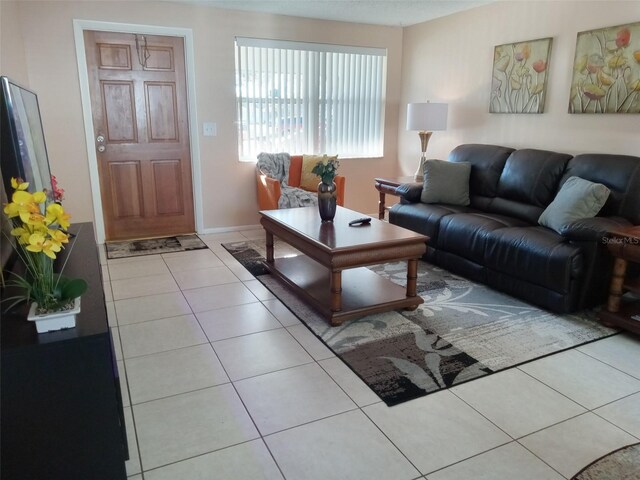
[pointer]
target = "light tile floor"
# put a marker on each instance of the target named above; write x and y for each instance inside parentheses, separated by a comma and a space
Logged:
(220, 380)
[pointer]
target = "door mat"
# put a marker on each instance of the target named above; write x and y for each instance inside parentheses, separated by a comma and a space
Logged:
(153, 246)
(462, 331)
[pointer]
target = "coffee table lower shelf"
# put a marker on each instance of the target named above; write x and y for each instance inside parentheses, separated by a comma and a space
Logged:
(363, 291)
(624, 317)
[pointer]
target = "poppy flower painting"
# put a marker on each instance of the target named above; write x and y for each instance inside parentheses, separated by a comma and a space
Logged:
(606, 71)
(520, 72)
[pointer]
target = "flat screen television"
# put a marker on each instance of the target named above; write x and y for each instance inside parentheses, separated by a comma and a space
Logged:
(23, 152)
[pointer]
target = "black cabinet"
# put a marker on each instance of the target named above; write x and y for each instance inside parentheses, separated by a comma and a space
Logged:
(61, 409)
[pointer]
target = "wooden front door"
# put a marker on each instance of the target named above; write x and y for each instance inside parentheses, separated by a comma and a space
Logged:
(139, 106)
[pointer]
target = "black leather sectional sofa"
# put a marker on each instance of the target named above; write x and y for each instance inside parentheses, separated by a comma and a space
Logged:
(497, 240)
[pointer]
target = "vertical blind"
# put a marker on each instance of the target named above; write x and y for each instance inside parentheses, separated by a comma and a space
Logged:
(309, 98)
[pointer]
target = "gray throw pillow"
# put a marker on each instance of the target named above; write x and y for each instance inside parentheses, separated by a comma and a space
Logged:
(577, 199)
(446, 182)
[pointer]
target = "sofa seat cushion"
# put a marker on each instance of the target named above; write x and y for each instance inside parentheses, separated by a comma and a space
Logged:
(535, 254)
(466, 234)
(423, 218)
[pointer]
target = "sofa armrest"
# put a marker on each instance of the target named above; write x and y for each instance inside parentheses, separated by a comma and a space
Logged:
(268, 191)
(593, 229)
(410, 192)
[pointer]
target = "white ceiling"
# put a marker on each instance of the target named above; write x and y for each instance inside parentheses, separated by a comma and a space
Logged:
(377, 12)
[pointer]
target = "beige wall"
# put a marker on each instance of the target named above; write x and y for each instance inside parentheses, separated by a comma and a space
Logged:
(450, 60)
(229, 197)
(12, 58)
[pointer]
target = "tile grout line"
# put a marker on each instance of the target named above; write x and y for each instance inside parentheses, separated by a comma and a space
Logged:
(262, 437)
(541, 459)
(196, 456)
(516, 439)
(255, 425)
(309, 363)
(232, 382)
(555, 390)
(133, 421)
(390, 440)
(133, 418)
(588, 410)
(358, 407)
(602, 361)
(451, 390)
(472, 456)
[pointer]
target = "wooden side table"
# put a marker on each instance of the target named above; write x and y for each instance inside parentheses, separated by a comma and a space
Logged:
(388, 186)
(624, 245)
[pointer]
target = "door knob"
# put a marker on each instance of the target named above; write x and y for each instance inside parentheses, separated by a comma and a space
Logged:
(100, 138)
(101, 148)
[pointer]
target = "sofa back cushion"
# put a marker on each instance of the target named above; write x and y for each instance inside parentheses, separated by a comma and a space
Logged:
(528, 183)
(487, 162)
(620, 173)
(532, 176)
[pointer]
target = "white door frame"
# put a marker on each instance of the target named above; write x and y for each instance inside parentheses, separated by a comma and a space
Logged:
(186, 33)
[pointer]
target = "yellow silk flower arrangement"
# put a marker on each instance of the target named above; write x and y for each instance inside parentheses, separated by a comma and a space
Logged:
(40, 231)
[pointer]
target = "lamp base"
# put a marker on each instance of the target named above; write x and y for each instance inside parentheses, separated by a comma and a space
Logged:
(424, 141)
(418, 176)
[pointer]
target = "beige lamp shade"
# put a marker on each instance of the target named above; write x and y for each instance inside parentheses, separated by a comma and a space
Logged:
(426, 117)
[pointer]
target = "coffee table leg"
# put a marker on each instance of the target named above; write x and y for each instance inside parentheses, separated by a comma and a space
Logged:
(269, 247)
(617, 282)
(336, 291)
(412, 277)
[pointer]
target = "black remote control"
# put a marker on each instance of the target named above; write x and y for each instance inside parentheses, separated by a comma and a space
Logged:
(360, 221)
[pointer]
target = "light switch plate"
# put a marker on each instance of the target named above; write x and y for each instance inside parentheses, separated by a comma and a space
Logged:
(209, 129)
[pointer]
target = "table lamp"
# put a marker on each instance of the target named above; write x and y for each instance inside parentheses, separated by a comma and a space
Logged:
(425, 118)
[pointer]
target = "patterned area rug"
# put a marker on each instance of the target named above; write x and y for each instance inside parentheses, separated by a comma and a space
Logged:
(153, 246)
(621, 464)
(461, 332)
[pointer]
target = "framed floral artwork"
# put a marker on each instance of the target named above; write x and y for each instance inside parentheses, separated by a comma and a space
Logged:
(520, 72)
(606, 71)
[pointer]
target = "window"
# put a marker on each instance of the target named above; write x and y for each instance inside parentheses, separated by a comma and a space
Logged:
(309, 98)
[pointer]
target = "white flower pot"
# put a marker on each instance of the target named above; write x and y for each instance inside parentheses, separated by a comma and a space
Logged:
(50, 322)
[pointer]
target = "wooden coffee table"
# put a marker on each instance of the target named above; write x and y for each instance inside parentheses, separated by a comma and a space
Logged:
(330, 276)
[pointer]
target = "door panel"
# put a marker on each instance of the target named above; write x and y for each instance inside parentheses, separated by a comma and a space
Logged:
(160, 58)
(126, 189)
(139, 106)
(161, 111)
(166, 175)
(115, 56)
(120, 111)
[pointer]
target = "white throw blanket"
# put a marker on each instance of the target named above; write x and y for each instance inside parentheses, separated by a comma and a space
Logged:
(275, 165)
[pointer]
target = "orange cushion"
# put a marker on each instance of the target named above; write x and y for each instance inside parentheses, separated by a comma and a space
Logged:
(294, 171)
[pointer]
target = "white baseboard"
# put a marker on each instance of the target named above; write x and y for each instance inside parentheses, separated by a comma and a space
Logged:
(238, 228)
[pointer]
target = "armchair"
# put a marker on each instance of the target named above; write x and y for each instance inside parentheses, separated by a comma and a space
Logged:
(270, 189)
